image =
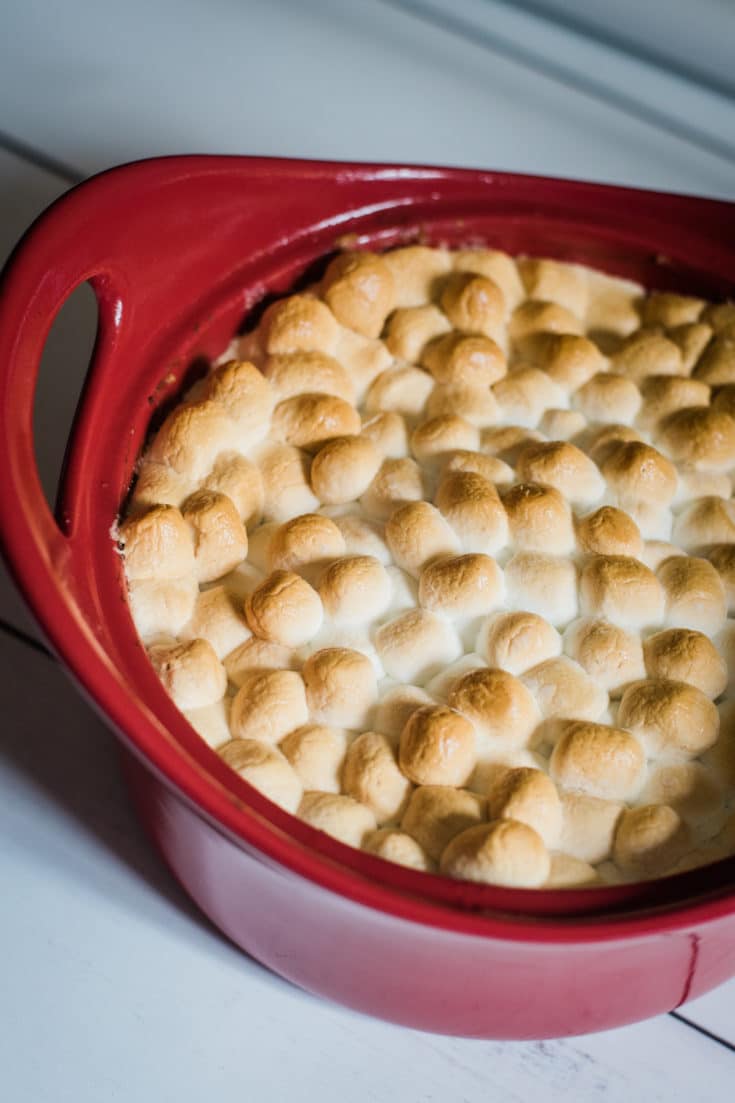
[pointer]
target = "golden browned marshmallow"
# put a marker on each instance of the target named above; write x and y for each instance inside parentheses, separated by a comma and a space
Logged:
(286, 488)
(563, 466)
(537, 316)
(722, 558)
(370, 774)
(477, 405)
(671, 719)
(612, 309)
(416, 533)
(268, 705)
(265, 769)
(637, 473)
(500, 707)
(397, 482)
(341, 688)
(161, 607)
(695, 595)
(598, 442)
(609, 531)
(719, 315)
(646, 354)
(360, 290)
(598, 760)
(462, 586)
(517, 641)
(190, 672)
(490, 467)
(257, 655)
(611, 656)
(649, 840)
(397, 846)
(555, 282)
(542, 584)
(461, 358)
(691, 790)
(683, 655)
(717, 363)
(410, 330)
(539, 519)
(723, 401)
(241, 481)
(608, 397)
(218, 618)
(433, 439)
(212, 722)
(473, 304)
(284, 609)
(355, 589)
(702, 484)
(691, 339)
(309, 420)
(191, 438)
(341, 817)
(508, 441)
(363, 537)
(705, 521)
(563, 691)
(388, 433)
(362, 358)
(700, 438)
(417, 271)
(157, 544)
(664, 308)
(436, 813)
(415, 645)
(497, 266)
(437, 747)
(299, 323)
(310, 540)
(559, 425)
(570, 360)
(395, 707)
(588, 826)
(316, 753)
(525, 395)
(343, 469)
(621, 589)
(664, 394)
(220, 539)
(473, 508)
(247, 397)
(403, 390)
(654, 553)
(504, 852)
(529, 796)
(292, 373)
(567, 872)
(158, 484)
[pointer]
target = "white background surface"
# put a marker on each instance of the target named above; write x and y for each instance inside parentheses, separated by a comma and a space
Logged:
(112, 986)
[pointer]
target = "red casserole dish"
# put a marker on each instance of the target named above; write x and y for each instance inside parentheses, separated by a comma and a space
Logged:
(177, 251)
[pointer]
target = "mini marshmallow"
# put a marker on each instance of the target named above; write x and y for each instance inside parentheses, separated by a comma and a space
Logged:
(664, 394)
(612, 657)
(528, 796)
(316, 753)
(564, 691)
(649, 839)
(268, 705)
(435, 814)
(241, 481)
(695, 594)
(471, 360)
(265, 769)
(191, 438)
(284, 609)
(395, 707)
(537, 316)
(360, 290)
(462, 586)
(362, 358)
(645, 354)
(435, 438)
(609, 531)
(517, 641)
(255, 654)
(668, 309)
(500, 707)
(343, 469)
(473, 304)
(371, 775)
(684, 655)
(612, 308)
(705, 521)
(363, 537)
(157, 484)
(622, 590)
(561, 425)
(355, 589)
(691, 339)
(504, 852)
(673, 720)
(473, 509)
(416, 533)
(568, 359)
(599, 441)
(410, 329)
(637, 473)
(310, 420)
(286, 490)
(247, 397)
(588, 826)
(608, 397)
(722, 558)
(490, 467)
(292, 373)
(218, 618)
(564, 467)
(724, 400)
(212, 722)
(716, 366)
(397, 482)
(162, 608)
(157, 544)
(508, 441)
(475, 405)
(299, 323)
(414, 645)
(700, 438)
(539, 519)
(524, 396)
(388, 433)
(190, 672)
(567, 872)
(343, 818)
(417, 271)
(310, 540)
(397, 846)
(219, 536)
(598, 760)
(692, 791)
(497, 266)
(402, 390)
(542, 584)
(341, 687)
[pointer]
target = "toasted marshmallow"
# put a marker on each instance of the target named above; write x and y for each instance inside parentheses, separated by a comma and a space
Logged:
(191, 438)
(316, 753)
(609, 531)
(475, 405)
(673, 720)
(343, 469)
(649, 839)
(692, 339)
(286, 490)
(437, 747)
(299, 323)
(473, 509)
(162, 608)
(612, 657)
(473, 304)
(555, 282)
(524, 396)
(219, 619)
(504, 852)
(539, 519)
(601, 440)
(255, 654)
(497, 266)
(695, 594)
(417, 271)
(724, 400)
(371, 775)
(700, 438)
(645, 354)
(363, 537)
(664, 394)
(388, 433)
(458, 358)
(292, 373)
(397, 846)
(563, 691)
(410, 329)
(284, 609)
(219, 536)
(667, 309)
(500, 707)
(542, 584)
(588, 826)
(310, 420)
(537, 316)
(416, 533)
(341, 688)
(490, 467)
(355, 589)
(157, 484)
(622, 590)
(612, 307)
(310, 540)
(569, 360)
(598, 760)
(433, 439)
(157, 544)
(722, 558)
(529, 796)
(241, 481)
(609, 398)
(462, 586)
(564, 467)
(247, 397)
(692, 791)
(567, 872)
(683, 655)
(402, 390)
(414, 645)
(212, 722)
(637, 473)
(396, 705)
(360, 290)
(190, 672)
(396, 482)
(717, 363)
(561, 425)
(341, 817)
(268, 705)
(265, 769)
(517, 641)
(436, 813)
(705, 521)
(442, 683)
(363, 359)
(508, 441)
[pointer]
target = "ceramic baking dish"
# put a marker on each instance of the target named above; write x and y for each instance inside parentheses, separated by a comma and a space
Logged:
(179, 251)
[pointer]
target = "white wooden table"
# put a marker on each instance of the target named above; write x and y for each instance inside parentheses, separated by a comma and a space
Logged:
(112, 985)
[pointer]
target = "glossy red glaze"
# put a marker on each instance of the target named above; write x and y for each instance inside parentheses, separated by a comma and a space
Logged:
(178, 250)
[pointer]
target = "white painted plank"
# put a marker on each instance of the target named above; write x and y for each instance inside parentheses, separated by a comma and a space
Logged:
(715, 1012)
(120, 991)
(333, 78)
